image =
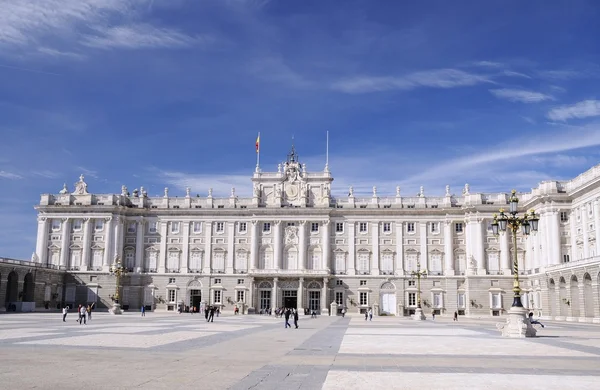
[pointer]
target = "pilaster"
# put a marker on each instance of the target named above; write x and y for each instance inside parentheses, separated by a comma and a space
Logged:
(230, 247)
(556, 239)
(108, 236)
(277, 246)
(479, 248)
(302, 246)
(65, 241)
(326, 244)
(139, 245)
(274, 302)
(505, 261)
(41, 246)
(584, 229)
(162, 256)
(119, 237)
(351, 248)
(573, 231)
(324, 308)
(300, 301)
(87, 239)
(254, 245)
(375, 248)
(185, 250)
(424, 260)
(207, 247)
(399, 266)
(448, 249)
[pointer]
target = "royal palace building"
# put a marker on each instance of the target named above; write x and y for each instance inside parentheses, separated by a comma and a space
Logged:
(294, 244)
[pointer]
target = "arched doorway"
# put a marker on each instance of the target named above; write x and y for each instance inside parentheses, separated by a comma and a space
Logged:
(562, 296)
(575, 308)
(194, 292)
(28, 288)
(12, 288)
(552, 298)
(388, 298)
(588, 296)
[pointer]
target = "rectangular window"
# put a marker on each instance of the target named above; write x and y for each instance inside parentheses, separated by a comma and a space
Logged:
(411, 283)
(435, 227)
(339, 282)
(172, 296)
(564, 216)
(197, 227)
(339, 227)
(461, 300)
(266, 227)
(291, 223)
(362, 227)
(412, 299)
(171, 280)
(55, 224)
(339, 297)
(98, 225)
(363, 262)
(131, 227)
(496, 301)
(387, 227)
(240, 281)
(340, 263)
(314, 227)
(364, 298)
(566, 259)
(363, 283)
(240, 296)
(410, 227)
(217, 280)
(217, 297)
(152, 226)
(77, 223)
(174, 227)
(220, 227)
(437, 300)
(458, 227)
(243, 227)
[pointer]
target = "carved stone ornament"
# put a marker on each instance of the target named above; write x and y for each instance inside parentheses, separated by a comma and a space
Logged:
(34, 257)
(291, 191)
(80, 187)
(291, 235)
(256, 190)
(64, 190)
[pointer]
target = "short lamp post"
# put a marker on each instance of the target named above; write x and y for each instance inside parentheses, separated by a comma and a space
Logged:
(517, 324)
(117, 270)
(419, 273)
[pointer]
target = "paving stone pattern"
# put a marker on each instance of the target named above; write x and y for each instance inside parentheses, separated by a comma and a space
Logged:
(172, 351)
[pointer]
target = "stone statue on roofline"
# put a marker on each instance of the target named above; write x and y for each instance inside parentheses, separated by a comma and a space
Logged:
(64, 190)
(80, 187)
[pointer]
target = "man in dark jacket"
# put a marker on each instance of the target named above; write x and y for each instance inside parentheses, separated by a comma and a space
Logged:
(287, 318)
(296, 318)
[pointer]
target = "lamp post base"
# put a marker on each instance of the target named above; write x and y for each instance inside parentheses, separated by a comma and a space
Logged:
(419, 316)
(517, 324)
(115, 309)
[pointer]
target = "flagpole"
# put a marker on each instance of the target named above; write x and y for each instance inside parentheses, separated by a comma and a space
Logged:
(258, 153)
(327, 153)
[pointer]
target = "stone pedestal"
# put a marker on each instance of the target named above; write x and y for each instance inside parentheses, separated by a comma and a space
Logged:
(115, 309)
(517, 324)
(419, 316)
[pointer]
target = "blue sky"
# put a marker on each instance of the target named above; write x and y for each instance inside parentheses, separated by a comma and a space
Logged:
(155, 93)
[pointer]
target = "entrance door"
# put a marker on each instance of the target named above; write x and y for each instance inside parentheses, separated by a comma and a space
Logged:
(290, 299)
(265, 300)
(314, 300)
(195, 299)
(388, 303)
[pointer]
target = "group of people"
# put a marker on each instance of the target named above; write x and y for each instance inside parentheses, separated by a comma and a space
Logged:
(84, 313)
(287, 313)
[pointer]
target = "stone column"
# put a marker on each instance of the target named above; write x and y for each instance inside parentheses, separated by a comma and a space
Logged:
(139, 246)
(424, 258)
(351, 248)
(108, 235)
(448, 249)
(230, 247)
(584, 228)
(162, 256)
(254, 246)
(326, 245)
(41, 245)
(479, 248)
(185, 252)
(300, 302)
(302, 246)
(274, 303)
(324, 308)
(468, 241)
(87, 239)
(556, 238)
(277, 246)
(573, 231)
(505, 260)
(118, 240)
(375, 248)
(399, 266)
(207, 247)
(65, 241)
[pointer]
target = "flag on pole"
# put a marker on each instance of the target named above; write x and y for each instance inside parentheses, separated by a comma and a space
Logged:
(258, 143)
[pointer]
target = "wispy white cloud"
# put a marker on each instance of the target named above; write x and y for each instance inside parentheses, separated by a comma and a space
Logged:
(439, 78)
(200, 183)
(584, 109)
(520, 95)
(489, 64)
(9, 175)
(87, 172)
(60, 54)
(46, 174)
(142, 36)
(515, 74)
(561, 74)
(277, 71)
(562, 160)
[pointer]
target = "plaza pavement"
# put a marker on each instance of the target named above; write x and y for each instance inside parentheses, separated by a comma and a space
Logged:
(183, 351)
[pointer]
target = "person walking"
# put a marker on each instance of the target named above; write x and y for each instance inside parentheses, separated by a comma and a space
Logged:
(143, 310)
(370, 315)
(296, 318)
(433, 315)
(82, 313)
(455, 316)
(343, 312)
(287, 318)
(65, 311)
(366, 315)
(89, 312)
(211, 314)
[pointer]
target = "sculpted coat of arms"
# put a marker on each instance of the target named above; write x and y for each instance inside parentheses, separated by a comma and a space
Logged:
(291, 235)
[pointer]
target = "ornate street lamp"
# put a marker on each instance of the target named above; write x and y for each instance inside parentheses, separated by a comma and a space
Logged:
(419, 273)
(117, 270)
(528, 224)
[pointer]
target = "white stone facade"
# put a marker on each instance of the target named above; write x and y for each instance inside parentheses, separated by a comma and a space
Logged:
(293, 243)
